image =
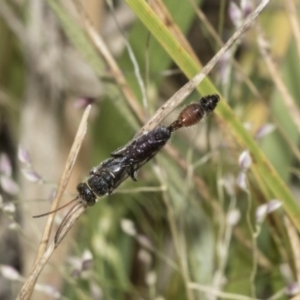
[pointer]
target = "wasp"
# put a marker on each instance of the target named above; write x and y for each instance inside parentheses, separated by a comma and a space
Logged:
(127, 160)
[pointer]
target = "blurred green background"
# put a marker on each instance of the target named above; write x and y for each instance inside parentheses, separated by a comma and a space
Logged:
(186, 229)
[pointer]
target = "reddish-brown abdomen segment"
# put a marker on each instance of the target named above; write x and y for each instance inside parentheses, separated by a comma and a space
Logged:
(194, 112)
(189, 116)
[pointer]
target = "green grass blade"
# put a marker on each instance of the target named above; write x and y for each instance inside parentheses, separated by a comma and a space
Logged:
(261, 165)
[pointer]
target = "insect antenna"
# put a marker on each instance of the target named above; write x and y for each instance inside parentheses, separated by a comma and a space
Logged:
(66, 222)
(57, 209)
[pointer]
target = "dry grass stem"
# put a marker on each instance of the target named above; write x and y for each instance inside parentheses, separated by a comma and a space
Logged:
(190, 86)
(65, 178)
(29, 284)
(292, 10)
(220, 43)
(275, 74)
(13, 22)
(100, 45)
(43, 254)
(132, 57)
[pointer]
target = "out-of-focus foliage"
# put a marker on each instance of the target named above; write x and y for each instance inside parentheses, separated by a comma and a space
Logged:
(198, 224)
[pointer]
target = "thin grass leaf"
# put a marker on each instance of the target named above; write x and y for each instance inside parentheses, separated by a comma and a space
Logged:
(261, 167)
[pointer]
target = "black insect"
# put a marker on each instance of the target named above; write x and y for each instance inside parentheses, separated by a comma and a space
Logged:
(127, 160)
